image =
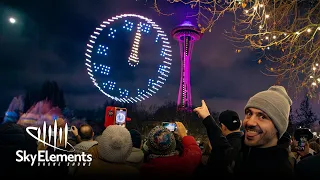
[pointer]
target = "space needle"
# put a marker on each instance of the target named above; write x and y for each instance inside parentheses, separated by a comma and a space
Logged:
(186, 34)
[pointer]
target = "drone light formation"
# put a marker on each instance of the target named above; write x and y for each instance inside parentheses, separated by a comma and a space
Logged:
(143, 27)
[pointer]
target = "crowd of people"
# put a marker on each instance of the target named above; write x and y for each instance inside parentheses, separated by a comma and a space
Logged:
(258, 146)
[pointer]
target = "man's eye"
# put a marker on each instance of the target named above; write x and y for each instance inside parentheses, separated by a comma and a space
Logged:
(263, 117)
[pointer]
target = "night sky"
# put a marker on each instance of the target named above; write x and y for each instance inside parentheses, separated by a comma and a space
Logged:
(49, 40)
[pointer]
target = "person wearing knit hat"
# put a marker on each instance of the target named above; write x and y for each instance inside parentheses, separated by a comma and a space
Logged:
(267, 117)
(114, 147)
(115, 144)
(161, 141)
(266, 120)
(276, 103)
(164, 161)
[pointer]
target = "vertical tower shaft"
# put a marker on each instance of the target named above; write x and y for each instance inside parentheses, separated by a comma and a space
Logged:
(184, 95)
(186, 34)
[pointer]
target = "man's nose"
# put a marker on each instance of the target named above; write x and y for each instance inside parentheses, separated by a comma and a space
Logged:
(252, 121)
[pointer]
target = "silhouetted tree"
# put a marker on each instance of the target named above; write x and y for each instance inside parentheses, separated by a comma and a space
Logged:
(62, 102)
(113, 103)
(51, 91)
(27, 101)
(291, 127)
(305, 116)
(137, 112)
(31, 97)
(68, 113)
(167, 112)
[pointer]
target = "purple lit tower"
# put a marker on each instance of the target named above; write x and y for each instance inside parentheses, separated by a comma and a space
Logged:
(186, 33)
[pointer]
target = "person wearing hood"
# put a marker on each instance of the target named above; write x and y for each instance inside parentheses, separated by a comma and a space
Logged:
(266, 120)
(136, 157)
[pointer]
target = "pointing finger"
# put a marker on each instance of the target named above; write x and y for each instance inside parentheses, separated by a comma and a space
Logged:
(203, 104)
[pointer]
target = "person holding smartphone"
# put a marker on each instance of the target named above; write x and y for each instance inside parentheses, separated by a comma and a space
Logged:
(163, 160)
(301, 144)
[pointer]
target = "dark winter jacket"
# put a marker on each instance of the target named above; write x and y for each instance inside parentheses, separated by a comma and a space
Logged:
(205, 170)
(308, 168)
(247, 161)
(13, 137)
(235, 139)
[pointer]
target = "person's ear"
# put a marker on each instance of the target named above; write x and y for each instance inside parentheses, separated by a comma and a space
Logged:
(223, 127)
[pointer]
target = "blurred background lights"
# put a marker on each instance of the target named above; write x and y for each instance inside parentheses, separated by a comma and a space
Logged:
(12, 20)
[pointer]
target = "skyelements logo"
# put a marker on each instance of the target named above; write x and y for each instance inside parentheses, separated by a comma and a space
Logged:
(44, 158)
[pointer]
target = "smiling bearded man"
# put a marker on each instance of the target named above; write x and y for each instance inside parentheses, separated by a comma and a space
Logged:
(266, 120)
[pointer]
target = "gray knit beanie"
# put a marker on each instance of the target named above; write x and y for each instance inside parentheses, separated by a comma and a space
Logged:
(115, 145)
(276, 103)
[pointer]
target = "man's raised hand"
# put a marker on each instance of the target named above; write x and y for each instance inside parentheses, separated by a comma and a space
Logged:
(202, 111)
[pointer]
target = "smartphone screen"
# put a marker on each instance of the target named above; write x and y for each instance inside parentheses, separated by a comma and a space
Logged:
(170, 126)
(121, 115)
(301, 144)
(201, 146)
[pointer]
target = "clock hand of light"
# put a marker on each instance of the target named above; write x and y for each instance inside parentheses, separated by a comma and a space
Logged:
(133, 58)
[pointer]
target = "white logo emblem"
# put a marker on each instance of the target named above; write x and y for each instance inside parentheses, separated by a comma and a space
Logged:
(50, 134)
(43, 157)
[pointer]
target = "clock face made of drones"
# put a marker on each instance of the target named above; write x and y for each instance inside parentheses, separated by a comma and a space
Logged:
(118, 52)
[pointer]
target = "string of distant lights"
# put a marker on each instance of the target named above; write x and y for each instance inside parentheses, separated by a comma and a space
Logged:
(315, 79)
(110, 87)
(295, 36)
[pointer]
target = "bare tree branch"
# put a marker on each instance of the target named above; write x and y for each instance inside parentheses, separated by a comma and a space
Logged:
(287, 32)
